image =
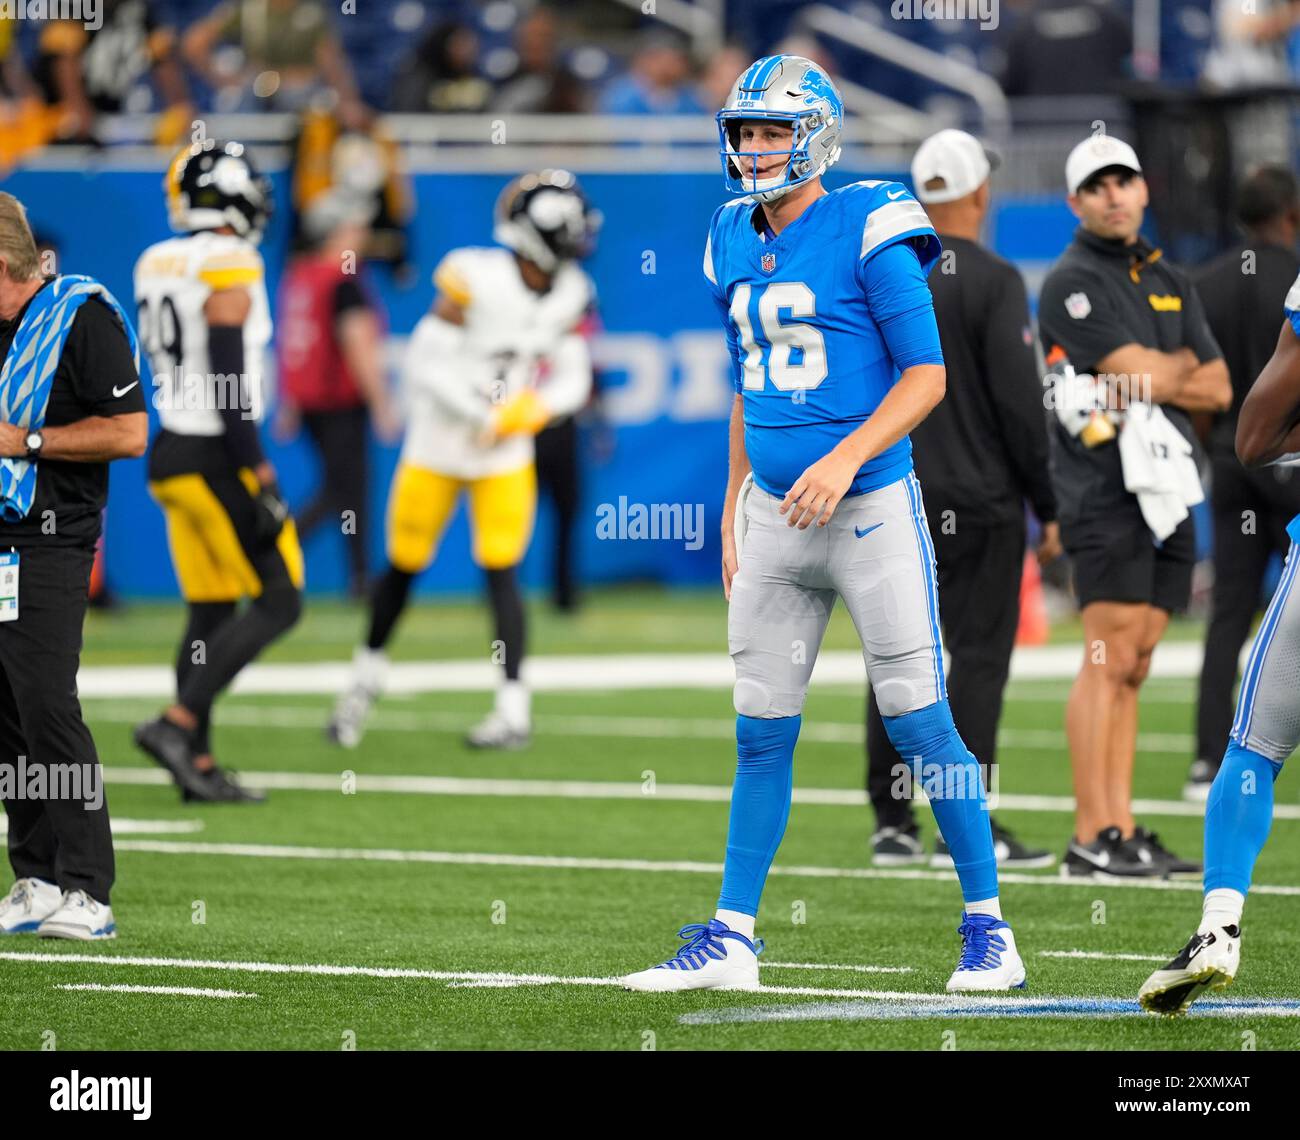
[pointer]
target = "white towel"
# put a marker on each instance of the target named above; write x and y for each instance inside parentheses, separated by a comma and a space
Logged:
(1158, 468)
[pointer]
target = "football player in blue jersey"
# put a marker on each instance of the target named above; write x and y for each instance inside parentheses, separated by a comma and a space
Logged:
(835, 358)
(1266, 728)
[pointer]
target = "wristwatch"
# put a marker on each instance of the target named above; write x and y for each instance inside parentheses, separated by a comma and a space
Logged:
(35, 441)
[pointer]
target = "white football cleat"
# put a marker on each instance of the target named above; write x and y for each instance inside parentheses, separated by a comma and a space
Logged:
(1209, 961)
(81, 918)
(495, 731)
(28, 903)
(715, 957)
(348, 723)
(989, 960)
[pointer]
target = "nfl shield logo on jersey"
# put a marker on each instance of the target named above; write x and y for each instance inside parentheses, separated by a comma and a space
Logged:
(1078, 305)
(768, 262)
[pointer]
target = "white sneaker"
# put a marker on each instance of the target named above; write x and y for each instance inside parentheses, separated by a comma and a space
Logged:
(495, 731)
(715, 957)
(348, 723)
(989, 960)
(81, 918)
(1209, 961)
(28, 903)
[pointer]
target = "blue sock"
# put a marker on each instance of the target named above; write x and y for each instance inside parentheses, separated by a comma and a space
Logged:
(760, 806)
(1238, 816)
(927, 740)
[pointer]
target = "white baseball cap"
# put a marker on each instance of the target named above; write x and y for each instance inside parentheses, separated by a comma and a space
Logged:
(1094, 154)
(958, 158)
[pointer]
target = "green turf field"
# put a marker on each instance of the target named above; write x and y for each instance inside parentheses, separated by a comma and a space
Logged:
(487, 908)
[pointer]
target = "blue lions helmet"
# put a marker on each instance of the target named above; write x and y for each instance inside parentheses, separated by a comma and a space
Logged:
(783, 89)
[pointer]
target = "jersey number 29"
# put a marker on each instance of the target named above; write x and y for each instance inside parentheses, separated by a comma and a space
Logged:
(786, 339)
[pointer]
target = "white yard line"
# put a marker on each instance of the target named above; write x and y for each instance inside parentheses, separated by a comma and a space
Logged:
(1099, 956)
(615, 790)
(178, 991)
(140, 826)
(582, 672)
(832, 966)
(569, 862)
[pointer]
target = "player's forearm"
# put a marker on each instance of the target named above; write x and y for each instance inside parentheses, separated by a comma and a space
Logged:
(915, 396)
(569, 385)
(1205, 389)
(738, 461)
(359, 339)
(98, 439)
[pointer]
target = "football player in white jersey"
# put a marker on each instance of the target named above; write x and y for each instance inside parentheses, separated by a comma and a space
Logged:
(205, 321)
(497, 357)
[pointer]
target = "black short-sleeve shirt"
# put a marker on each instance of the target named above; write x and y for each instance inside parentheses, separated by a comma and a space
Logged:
(1099, 295)
(96, 376)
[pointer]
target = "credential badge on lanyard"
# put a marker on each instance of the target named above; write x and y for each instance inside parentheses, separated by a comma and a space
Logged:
(9, 585)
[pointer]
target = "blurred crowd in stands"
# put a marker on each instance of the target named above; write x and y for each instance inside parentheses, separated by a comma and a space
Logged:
(183, 57)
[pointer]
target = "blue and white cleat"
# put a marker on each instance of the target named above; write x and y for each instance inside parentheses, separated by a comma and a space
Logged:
(81, 918)
(989, 960)
(28, 903)
(715, 957)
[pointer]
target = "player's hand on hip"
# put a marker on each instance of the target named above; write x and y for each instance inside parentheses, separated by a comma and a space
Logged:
(818, 491)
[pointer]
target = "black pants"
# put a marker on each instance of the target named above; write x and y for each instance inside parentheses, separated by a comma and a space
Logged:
(63, 836)
(558, 476)
(979, 571)
(341, 437)
(1272, 496)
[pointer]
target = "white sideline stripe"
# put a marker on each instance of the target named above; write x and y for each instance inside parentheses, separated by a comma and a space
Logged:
(464, 976)
(179, 991)
(140, 826)
(669, 728)
(832, 966)
(613, 790)
(584, 863)
(582, 672)
(1099, 956)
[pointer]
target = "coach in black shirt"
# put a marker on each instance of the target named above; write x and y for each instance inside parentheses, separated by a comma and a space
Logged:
(59, 840)
(979, 456)
(1241, 291)
(1119, 310)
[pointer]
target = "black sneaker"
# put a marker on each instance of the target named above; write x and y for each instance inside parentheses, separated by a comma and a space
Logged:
(221, 787)
(1147, 845)
(1108, 857)
(1013, 854)
(1199, 779)
(173, 748)
(1010, 852)
(896, 847)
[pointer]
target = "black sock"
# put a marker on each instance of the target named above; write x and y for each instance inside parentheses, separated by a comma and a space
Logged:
(508, 617)
(206, 618)
(386, 605)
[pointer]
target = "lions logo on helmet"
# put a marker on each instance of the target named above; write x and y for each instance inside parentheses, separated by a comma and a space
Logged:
(546, 218)
(783, 89)
(213, 184)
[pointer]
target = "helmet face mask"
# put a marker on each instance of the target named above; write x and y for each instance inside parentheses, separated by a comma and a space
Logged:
(785, 89)
(546, 218)
(214, 184)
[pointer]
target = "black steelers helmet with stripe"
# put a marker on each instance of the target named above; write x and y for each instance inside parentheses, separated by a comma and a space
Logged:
(215, 183)
(545, 217)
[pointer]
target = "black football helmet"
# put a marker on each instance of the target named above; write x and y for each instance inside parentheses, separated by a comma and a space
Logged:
(214, 183)
(545, 217)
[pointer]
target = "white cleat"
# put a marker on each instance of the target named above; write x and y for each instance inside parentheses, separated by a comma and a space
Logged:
(81, 918)
(28, 903)
(715, 957)
(989, 960)
(348, 724)
(495, 731)
(1209, 961)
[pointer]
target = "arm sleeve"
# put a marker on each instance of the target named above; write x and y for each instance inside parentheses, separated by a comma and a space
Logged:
(1196, 327)
(432, 368)
(226, 358)
(1087, 338)
(901, 305)
(569, 383)
(1010, 368)
(104, 377)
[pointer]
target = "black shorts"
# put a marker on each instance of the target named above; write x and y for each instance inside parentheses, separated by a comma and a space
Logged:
(1116, 559)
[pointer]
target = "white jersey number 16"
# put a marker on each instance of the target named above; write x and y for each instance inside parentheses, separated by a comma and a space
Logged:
(798, 298)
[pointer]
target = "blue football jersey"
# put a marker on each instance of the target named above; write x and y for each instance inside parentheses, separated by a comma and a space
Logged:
(806, 351)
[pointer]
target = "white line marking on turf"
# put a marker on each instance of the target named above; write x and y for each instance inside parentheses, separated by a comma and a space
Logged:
(179, 991)
(1099, 956)
(583, 863)
(140, 826)
(582, 672)
(832, 966)
(615, 790)
(488, 978)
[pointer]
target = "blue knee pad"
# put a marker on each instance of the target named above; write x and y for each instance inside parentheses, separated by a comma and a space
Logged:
(760, 806)
(1238, 815)
(928, 741)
